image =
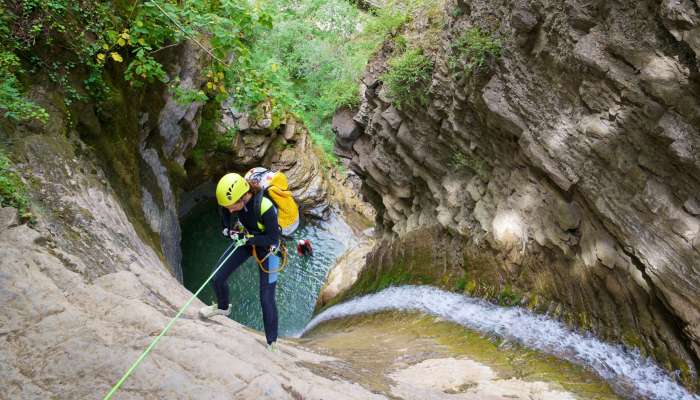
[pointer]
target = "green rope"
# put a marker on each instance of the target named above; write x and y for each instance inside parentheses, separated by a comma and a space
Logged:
(167, 327)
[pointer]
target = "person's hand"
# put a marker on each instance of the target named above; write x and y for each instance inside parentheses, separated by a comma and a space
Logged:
(232, 234)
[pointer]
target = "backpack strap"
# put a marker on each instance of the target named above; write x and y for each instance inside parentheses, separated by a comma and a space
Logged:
(260, 206)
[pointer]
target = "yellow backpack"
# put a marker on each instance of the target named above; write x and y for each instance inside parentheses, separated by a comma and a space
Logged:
(274, 186)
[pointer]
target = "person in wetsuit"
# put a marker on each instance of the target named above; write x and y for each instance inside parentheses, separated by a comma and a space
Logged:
(238, 205)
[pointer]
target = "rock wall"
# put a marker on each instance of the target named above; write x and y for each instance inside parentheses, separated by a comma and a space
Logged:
(285, 146)
(570, 162)
(280, 145)
(145, 141)
(247, 140)
(141, 137)
(175, 131)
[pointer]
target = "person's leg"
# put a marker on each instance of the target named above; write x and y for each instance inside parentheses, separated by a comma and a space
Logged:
(267, 301)
(219, 282)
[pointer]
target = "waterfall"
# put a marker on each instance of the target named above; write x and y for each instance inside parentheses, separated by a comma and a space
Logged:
(630, 374)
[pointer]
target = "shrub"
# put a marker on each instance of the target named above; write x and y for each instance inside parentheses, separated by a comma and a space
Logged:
(400, 44)
(408, 78)
(63, 37)
(337, 42)
(12, 190)
(460, 160)
(223, 142)
(12, 103)
(474, 49)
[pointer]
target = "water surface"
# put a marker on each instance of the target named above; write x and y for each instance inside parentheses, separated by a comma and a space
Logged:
(298, 285)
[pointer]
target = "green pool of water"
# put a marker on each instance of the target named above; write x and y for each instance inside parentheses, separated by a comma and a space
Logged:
(298, 285)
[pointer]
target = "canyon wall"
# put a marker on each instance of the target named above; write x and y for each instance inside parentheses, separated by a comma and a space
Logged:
(565, 170)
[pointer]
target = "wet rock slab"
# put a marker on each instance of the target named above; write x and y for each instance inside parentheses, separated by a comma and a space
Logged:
(413, 356)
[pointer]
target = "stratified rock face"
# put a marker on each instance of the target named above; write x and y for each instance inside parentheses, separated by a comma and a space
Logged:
(178, 124)
(346, 128)
(575, 154)
(284, 146)
(141, 136)
(343, 273)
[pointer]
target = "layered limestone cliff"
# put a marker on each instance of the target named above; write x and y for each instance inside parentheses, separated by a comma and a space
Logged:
(247, 140)
(565, 173)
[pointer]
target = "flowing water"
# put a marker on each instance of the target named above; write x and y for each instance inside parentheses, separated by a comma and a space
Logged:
(414, 356)
(629, 374)
(298, 285)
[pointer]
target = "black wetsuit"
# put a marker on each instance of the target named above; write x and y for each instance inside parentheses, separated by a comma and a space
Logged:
(262, 240)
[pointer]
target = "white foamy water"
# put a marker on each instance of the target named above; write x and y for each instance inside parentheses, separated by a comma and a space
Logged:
(629, 374)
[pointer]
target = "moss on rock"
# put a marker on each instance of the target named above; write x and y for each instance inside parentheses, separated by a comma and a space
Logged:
(417, 337)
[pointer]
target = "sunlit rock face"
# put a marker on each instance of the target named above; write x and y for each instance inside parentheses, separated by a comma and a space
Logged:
(572, 157)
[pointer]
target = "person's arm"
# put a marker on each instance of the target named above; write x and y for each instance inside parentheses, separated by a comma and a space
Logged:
(225, 218)
(272, 230)
(228, 221)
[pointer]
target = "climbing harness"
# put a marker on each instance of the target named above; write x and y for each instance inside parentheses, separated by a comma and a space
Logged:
(282, 248)
(150, 347)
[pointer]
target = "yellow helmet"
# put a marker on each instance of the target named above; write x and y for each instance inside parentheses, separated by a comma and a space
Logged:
(230, 189)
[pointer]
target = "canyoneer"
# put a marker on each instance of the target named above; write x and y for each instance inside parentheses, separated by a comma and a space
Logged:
(251, 220)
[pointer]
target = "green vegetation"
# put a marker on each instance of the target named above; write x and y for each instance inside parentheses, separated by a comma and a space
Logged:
(14, 105)
(461, 284)
(315, 55)
(12, 190)
(210, 139)
(304, 58)
(408, 79)
(460, 160)
(473, 50)
(508, 297)
(74, 42)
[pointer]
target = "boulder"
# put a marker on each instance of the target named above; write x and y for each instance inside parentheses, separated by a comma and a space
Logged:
(345, 128)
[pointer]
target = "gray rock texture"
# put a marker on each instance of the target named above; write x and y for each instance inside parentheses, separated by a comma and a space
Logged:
(345, 128)
(281, 145)
(572, 156)
(178, 127)
(284, 146)
(178, 124)
(95, 278)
